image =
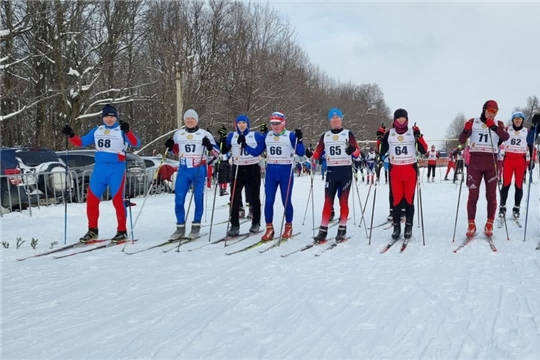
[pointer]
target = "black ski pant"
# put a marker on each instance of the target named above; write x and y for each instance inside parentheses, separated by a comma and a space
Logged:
(246, 174)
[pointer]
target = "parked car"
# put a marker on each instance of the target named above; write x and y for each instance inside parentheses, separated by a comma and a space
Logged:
(14, 192)
(43, 175)
(81, 162)
(166, 176)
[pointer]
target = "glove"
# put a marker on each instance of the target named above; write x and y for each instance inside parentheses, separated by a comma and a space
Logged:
(490, 123)
(223, 157)
(416, 132)
(536, 119)
(242, 140)
(263, 128)
(380, 132)
(68, 131)
(222, 131)
(207, 143)
(169, 144)
(124, 126)
(468, 126)
(309, 153)
(298, 134)
(350, 149)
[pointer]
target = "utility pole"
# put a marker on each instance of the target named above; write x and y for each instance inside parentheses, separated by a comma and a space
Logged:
(179, 104)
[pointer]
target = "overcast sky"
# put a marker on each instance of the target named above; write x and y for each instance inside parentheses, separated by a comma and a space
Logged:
(433, 59)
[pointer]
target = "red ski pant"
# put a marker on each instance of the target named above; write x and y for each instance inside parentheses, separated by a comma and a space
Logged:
(403, 183)
(482, 166)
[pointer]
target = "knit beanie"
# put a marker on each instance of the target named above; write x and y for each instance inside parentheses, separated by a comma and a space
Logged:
(190, 113)
(109, 110)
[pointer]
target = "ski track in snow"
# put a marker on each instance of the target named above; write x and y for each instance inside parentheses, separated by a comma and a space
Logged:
(350, 303)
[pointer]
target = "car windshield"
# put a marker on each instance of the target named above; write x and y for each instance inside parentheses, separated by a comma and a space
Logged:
(36, 157)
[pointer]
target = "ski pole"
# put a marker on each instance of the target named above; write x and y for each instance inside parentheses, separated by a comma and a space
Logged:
(233, 195)
(154, 178)
(529, 187)
(65, 202)
(498, 184)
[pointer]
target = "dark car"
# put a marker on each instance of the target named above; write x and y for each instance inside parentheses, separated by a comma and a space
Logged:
(14, 193)
(37, 172)
(81, 163)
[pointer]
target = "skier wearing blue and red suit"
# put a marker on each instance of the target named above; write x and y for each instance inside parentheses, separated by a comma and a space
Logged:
(190, 144)
(340, 147)
(514, 164)
(110, 140)
(280, 145)
(401, 143)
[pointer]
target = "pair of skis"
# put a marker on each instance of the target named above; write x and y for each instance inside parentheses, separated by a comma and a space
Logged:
(309, 246)
(393, 242)
(65, 247)
(102, 246)
(231, 240)
(183, 240)
(471, 238)
(277, 243)
(500, 222)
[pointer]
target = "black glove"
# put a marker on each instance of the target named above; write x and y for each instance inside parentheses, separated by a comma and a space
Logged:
(298, 134)
(68, 131)
(536, 119)
(416, 132)
(350, 149)
(169, 144)
(124, 126)
(380, 132)
(222, 131)
(309, 153)
(263, 128)
(242, 140)
(207, 143)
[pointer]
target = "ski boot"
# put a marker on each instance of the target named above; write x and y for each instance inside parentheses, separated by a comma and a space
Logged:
(92, 234)
(502, 212)
(397, 231)
(341, 233)
(233, 231)
(179, 233)
(321, 236)
(287, 233)
(195, 231)
(119, 237)
(488, 228)
(269, 234)
(407, 233)
(254, 228)
(471, 229)
(515, 212)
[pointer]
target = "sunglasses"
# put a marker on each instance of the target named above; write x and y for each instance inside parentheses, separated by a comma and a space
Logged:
(275, 123)
(492, 109)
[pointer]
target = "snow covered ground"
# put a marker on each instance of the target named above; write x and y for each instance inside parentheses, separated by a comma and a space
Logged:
(350, 303)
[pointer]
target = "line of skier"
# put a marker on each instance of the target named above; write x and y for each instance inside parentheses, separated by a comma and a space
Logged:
(338, 146)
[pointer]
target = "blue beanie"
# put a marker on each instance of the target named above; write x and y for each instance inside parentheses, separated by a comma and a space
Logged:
(333, 112)
(243, 118)
(109, 110)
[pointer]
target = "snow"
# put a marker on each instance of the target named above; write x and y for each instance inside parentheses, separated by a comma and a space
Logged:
(350, 303)
(73, 72)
